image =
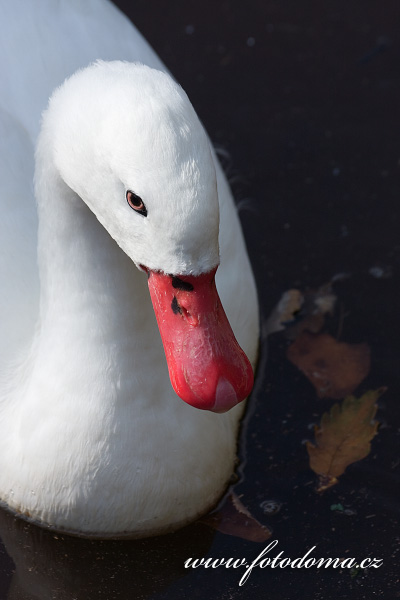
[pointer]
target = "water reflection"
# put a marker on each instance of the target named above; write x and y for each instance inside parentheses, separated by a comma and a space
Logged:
(49, 565)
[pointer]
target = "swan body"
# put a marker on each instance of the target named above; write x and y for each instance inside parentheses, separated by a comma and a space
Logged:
(93, 438)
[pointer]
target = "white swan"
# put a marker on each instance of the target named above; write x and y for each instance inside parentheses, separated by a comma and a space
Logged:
(93, 439)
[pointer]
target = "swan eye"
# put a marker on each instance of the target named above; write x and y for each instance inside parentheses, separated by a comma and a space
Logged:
(136, 203)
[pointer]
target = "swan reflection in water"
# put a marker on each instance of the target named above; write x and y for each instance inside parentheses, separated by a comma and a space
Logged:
(44, 564)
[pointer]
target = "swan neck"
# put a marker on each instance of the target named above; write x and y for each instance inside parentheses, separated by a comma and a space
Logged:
(93, 297)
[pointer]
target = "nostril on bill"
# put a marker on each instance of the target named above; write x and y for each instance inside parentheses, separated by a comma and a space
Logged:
(176, 309)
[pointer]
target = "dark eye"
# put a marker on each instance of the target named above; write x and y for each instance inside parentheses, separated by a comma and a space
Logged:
(136, 203)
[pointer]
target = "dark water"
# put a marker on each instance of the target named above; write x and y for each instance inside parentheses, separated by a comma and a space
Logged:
(304, 96)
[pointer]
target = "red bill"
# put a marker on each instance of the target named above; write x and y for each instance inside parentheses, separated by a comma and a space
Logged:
(207, 367)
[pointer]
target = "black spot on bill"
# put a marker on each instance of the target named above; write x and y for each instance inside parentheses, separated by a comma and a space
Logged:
(179, 284)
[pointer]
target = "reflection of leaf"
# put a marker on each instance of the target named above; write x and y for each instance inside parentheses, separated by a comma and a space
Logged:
(343, 437)
(232, 518)
(334, 368)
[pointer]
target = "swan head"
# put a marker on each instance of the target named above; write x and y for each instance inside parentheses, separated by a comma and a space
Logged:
(125, 138)
(117, 127)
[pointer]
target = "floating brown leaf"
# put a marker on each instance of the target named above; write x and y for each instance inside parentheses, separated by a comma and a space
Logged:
(343, 437)
(334, 368)
(232, 518)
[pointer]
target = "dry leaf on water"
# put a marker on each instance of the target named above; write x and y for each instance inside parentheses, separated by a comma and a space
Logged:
(334, 368)
(233, 518)
(316, 305)
(284, 312)
(343, 437)
(297, 311)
